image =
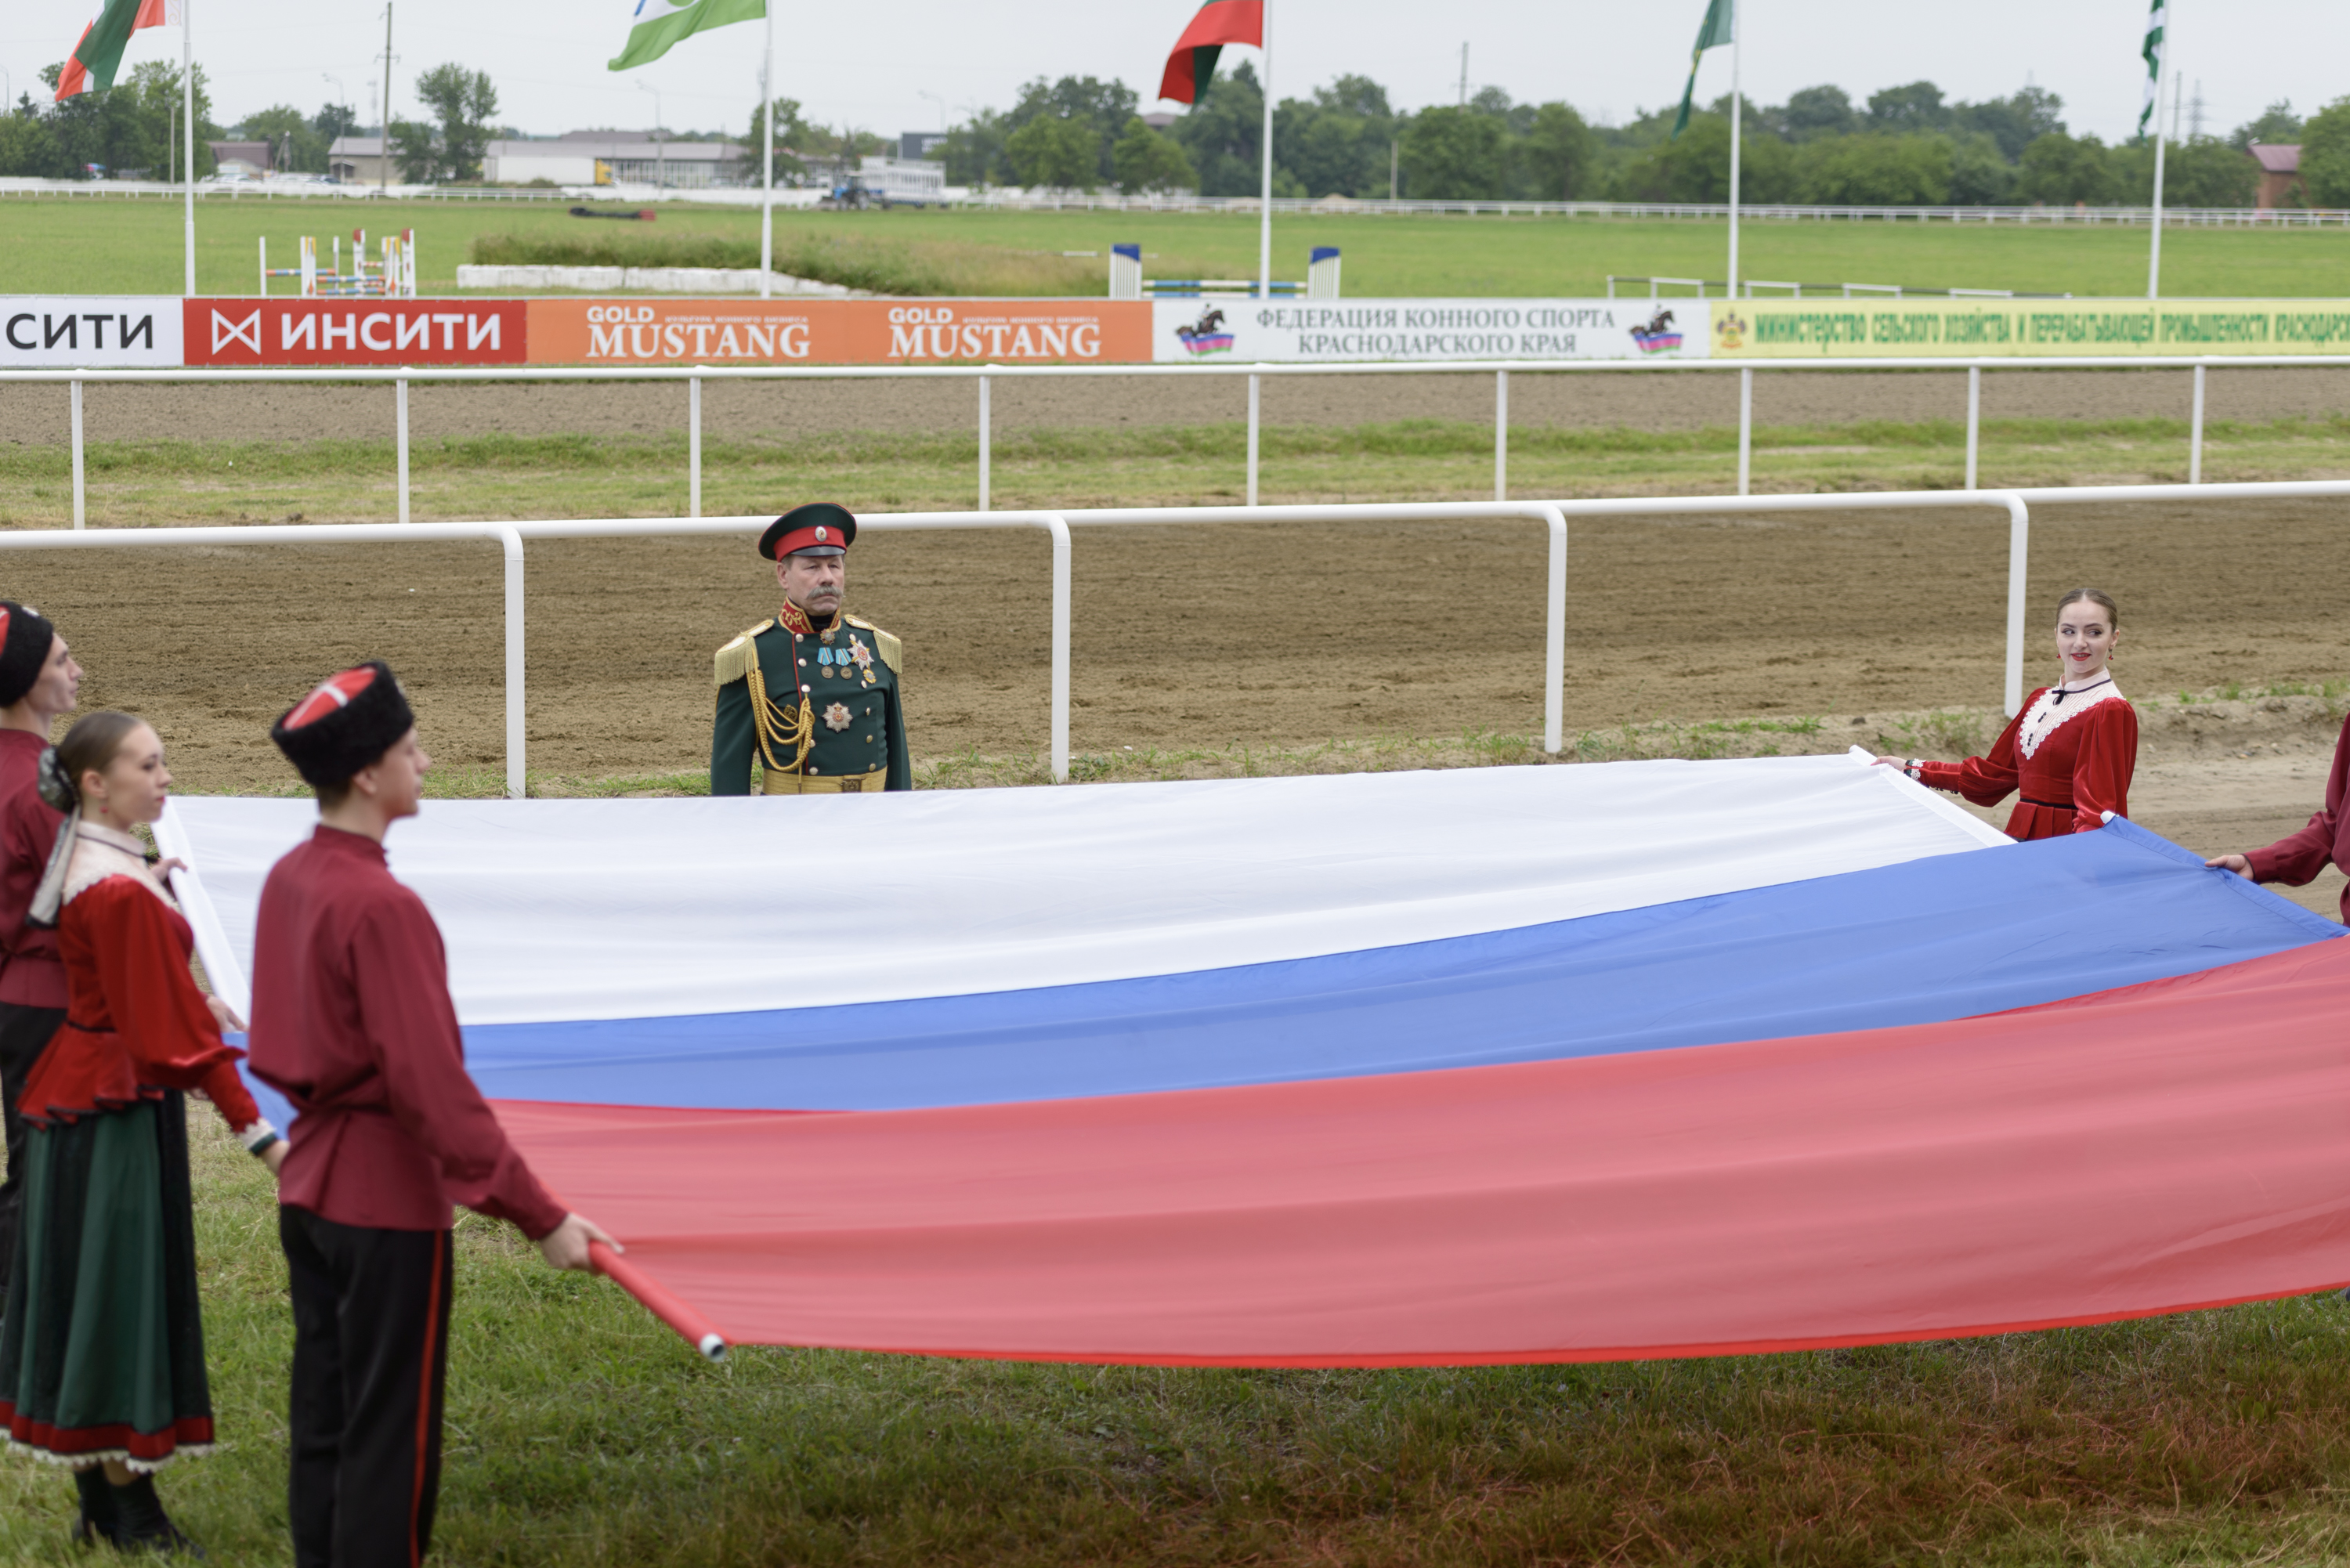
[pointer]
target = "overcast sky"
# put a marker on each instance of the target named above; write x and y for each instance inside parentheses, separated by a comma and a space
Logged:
(916, 64)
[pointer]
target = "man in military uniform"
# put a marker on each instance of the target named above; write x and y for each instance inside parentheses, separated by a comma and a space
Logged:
(812, 695)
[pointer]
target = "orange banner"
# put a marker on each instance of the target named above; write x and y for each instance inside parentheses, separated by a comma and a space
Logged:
(838, 332)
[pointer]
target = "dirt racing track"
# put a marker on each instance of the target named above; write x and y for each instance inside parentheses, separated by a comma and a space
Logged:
(1283, 634)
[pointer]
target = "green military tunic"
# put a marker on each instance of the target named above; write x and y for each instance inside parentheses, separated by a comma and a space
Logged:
(818, 710)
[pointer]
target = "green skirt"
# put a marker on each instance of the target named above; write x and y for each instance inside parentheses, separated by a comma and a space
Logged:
(102, 1342)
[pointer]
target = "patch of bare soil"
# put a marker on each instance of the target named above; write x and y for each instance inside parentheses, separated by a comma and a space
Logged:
(36, 414)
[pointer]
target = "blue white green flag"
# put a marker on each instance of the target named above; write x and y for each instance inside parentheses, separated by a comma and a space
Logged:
(656, 24)
(2156, 21)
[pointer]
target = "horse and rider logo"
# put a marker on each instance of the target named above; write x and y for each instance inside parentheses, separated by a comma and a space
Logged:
(1207, 335)
(1659, 336)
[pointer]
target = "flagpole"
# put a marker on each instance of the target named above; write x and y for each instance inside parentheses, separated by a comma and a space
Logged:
(2154, 252)
(767, 200)
(188, 113)
(1736, 125)
(1264, 222)
(383, 164)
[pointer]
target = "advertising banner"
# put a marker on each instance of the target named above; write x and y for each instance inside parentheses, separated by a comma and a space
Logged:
(837, 332)
(1190, 331)
(1972, 329)
(372, 332)
(66, 332)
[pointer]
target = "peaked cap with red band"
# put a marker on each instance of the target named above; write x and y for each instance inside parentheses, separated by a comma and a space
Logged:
(349, 722)
(25, 639)
(819, 528)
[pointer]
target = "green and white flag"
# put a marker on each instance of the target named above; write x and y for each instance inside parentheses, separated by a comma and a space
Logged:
(1720, 21)
(655, 25)
(2152, 50)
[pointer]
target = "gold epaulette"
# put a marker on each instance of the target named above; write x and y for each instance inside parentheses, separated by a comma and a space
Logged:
(734, 661)
(891, 648)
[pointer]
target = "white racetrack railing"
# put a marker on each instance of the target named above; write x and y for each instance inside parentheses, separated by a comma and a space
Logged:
(693, 375)
(1045, 200)
(1056, 524)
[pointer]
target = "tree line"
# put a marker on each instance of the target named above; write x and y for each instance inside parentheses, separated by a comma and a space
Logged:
(132, 130)
(1907, 145)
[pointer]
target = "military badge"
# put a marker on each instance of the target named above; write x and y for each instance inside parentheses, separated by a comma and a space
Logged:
(859, 652)
(837, 716)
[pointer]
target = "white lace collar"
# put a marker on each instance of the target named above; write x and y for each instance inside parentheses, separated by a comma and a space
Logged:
(2047, 711)
(103, 852)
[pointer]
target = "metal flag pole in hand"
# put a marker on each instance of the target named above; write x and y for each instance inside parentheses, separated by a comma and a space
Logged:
(691, 1326)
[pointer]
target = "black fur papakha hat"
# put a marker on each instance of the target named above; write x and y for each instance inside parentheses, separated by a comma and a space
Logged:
(24, 638)
(351, 720)
(819, 528)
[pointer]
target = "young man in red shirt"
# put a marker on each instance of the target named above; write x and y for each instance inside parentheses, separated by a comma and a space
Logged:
(39, 682)
(352, 1021)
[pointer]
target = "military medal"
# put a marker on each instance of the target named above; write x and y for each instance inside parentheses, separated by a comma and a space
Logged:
(859, 652)
(837, 716)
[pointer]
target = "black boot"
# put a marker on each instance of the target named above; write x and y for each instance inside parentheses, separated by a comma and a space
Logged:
(144, 1526)
(99, 1522)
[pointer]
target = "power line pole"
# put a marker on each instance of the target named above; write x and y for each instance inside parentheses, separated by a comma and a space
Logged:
(2195, 114)
(1464, 73)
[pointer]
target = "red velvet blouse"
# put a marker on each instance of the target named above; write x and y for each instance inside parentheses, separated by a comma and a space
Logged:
(2071, 761)
(135, 1022)
(2296, 861)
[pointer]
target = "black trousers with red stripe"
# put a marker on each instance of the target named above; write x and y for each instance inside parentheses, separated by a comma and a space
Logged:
(370, 1360)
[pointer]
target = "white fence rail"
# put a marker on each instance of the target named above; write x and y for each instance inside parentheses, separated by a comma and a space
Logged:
(1551, 515)
(693, 375)
(1044, 200)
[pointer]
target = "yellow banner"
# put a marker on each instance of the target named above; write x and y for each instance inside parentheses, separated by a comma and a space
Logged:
(1972, 329)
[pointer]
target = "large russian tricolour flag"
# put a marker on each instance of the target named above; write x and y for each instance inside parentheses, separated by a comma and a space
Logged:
(1500, 1064)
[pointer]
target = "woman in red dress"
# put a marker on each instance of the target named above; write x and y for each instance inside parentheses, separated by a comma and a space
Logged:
(101, 1345)
(2071, 752)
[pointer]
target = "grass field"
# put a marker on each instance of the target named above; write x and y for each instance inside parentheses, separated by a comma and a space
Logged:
(581, 1432)
(77, 246)
(588, 476)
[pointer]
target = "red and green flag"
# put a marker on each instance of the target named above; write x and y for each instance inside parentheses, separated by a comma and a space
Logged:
(98, 55)
(1219, 22)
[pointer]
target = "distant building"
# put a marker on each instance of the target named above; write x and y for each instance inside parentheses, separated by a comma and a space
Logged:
(913, 145)
(610, 158)
(250, 159)
(2280, 175)
(357, 160)
(1162, 123)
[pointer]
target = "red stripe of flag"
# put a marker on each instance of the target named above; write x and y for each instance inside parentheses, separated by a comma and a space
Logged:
(75, 78)
(1219, 22)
